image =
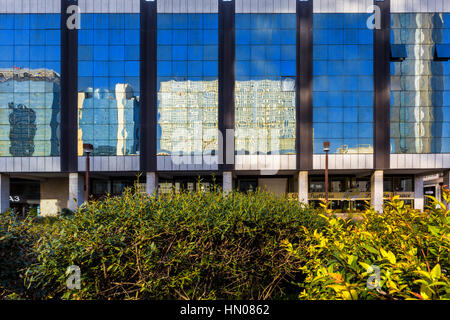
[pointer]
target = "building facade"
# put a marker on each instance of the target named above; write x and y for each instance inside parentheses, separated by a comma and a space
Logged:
(183, 94)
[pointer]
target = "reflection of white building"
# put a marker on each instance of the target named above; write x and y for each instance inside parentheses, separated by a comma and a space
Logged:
(29, 112)
(108, 120)
(124, 93)
(188, 116)
(359, 149)
(265, 116)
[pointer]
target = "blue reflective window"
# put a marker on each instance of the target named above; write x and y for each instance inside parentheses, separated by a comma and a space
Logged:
(343, 83)
(187, 66)
(108, 83)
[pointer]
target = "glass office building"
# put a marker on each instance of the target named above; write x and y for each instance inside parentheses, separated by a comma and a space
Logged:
(147, 81)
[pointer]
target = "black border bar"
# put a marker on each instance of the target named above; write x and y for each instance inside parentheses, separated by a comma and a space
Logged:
(227, 58)
(69, 92)
(148, 75)
(304, 86)
(382, 88)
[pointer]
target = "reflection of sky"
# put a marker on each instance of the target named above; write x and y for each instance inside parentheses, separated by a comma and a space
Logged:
(32, 42)
(265, 46)
(343, 83)
(108, 51)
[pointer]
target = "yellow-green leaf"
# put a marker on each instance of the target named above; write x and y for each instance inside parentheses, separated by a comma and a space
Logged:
(391, 257)
(351, 259)
(426, 292)
(436, 272)
(366, 266)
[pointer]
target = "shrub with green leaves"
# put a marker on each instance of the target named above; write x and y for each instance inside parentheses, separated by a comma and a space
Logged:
(401, 254)
(210, 246)
(16, 242)
(200, 245)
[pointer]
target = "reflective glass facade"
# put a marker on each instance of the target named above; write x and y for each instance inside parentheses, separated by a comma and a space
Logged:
(187, 46)
(343, 83)
(108, 83)
(420, 86)
(265, 120)
(30, 67)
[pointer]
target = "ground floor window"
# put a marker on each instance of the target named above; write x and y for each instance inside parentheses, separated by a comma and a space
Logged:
(25, 196)
(111, 186)
(168, 185)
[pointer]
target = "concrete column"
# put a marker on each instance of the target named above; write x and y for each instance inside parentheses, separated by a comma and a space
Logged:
(4, 193)
(227, 182)
(446, 182)
(303, 187)
(152, 183)
(377, 191)
(76, 191)
(419, 200)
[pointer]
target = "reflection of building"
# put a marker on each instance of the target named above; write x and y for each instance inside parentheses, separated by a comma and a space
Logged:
(360, 149)
(417, 84)
(23, 130)
(188, 109)
(30, 102)
(109, 121)
(265, 117)
(264, 108)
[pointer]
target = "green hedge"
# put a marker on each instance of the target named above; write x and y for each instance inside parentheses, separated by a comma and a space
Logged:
(184, 246)
(211, 246)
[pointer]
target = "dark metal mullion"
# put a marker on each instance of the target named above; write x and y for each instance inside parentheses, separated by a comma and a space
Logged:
(148, 80)
(226, 79)
(382, 88)
(69, 92)
(304, 86)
